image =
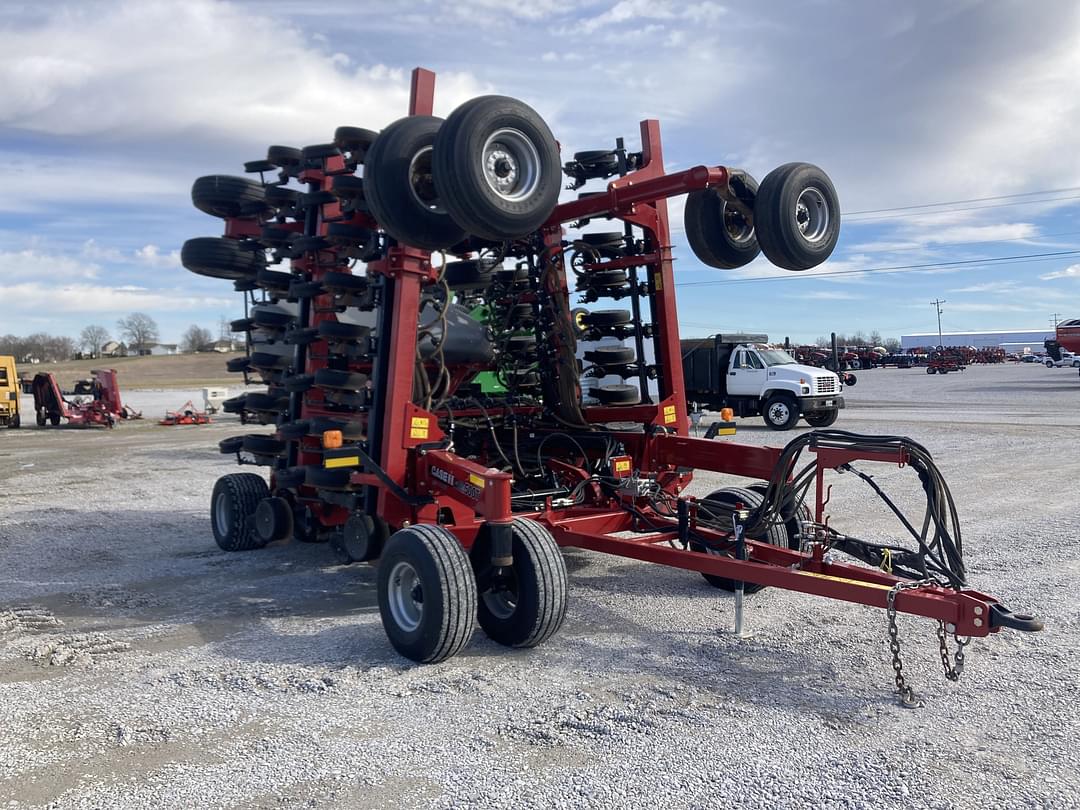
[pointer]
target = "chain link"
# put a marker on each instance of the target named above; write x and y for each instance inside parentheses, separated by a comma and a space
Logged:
(908, 698)
(956, 666)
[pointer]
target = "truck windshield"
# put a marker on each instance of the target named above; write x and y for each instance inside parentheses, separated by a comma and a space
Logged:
(775, 357)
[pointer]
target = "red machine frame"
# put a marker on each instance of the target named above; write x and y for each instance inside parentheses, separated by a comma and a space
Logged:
(417, 481)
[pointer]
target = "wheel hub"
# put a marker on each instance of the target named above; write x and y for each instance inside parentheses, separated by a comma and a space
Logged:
(779, 413)
(812, 214)
(511, 164)
(422, 183)
(405, 596)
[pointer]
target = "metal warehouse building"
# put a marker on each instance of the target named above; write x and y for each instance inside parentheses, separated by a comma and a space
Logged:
(1018, 341)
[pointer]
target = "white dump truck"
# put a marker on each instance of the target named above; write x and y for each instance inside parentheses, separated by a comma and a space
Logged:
(740, 372)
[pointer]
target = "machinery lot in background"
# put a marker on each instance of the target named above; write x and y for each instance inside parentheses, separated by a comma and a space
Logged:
(183, 675)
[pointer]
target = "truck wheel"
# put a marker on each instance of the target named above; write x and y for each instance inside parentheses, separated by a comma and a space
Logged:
(721, 505)
(527, 604)
(781, 411)
(16, 421)
(399, 187)
(931, 370)
(821, 418)
(718, 234)
(232, 510)
(54, 419)
(797, 216)
(497, 167)
(1049, 363)
(427, 594)
(41, 418)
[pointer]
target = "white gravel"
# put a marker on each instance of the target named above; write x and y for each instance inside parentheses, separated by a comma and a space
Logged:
(142, 667)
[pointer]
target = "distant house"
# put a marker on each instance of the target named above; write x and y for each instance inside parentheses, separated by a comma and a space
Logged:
(158, 349)
(113, 348)
(223, 346)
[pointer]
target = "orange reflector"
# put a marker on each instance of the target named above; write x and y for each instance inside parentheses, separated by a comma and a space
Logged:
(332, 439)
(727, 414)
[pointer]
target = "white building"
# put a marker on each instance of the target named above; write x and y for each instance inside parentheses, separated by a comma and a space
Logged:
(1019, 341)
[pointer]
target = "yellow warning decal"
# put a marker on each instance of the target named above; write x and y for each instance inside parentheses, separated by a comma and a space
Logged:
(622, 465)
(658, 282)
(669, 414)
(419, 429)
(726, 432)
(476, 480)
(845, 579)
(344, 461)
(418, 433)
(420, 421)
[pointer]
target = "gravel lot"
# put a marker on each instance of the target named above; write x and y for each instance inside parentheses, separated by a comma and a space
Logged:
(142, 667)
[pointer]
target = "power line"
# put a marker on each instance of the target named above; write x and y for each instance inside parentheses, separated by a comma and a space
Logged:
(890, 269)
(944, 245)
(954, 210)
(962, 202)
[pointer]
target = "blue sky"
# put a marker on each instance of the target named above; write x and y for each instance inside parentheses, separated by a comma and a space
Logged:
(110, 110)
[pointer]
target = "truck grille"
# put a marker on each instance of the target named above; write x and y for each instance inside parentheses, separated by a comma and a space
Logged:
(825, 385)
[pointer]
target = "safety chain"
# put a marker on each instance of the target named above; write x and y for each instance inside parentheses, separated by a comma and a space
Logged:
(908, 697)
(952, 670)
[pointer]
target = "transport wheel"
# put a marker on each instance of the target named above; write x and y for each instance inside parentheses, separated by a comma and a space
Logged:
(496, 168)
(232, 510)
(790, 512)
(222, 196)
(721, 505)
(718, 234)
(821, 418)
(781, 411)
(427, 594)
(399, 188)
(273, 520)
(218, 257)
(525, 604)
(797, 216)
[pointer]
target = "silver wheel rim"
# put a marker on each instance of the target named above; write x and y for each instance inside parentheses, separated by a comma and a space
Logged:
(738, 230)
(420, 183)
(779, 413)
(511, 164)
(812, 214)
(221, 513)
(501, 603)
(406, 596)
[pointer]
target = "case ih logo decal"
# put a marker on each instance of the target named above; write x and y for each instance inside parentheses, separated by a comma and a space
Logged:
(470, 490)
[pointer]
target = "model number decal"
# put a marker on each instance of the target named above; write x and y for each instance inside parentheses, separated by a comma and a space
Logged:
(464, 487)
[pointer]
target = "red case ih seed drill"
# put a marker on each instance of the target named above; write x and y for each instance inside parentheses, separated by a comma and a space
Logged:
(435, 415)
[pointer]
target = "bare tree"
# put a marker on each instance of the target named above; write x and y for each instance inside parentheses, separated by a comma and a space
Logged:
(139, 329)
(92, 338)
(196, 339)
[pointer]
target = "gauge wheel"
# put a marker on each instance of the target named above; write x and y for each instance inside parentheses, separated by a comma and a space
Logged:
(496, 168)
(797, 216)
(426, 594)
(400, 189)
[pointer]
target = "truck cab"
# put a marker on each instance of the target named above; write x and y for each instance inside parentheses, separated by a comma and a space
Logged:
(9, 393)
(741, 373)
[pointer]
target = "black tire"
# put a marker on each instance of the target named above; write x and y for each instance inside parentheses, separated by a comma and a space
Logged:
(471, 274)
(274, 280)
(354, 139)
(361, 539)
(346, 282)
(797, 216)
(339, 330)
(265, 403)
(617, 394)
(349, 430)
(606, 317)
(528, 606)
(295, 430)
(271, 318)
(260, 445)
(273, 520)
(821, 419)
(16, 422)
(269, 360)
(232, 510)
(611, 356)
(54, 419)
(283, 156)
(340, 380)
(219, 257)
(298, 383)
(469, 164)
(222, 196)
(718, 234)
(398, 188)
(322, 478)
(602, 279)
(443, 620)
(231, 445)
(931, 370)
(791, 513)
(237, 364)
(721, 504)
(781, 411)
(348, 187)
(40, 417)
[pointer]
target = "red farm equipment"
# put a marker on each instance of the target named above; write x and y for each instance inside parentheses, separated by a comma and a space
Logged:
(450, 419)
(100, 408)
(945, 359)
(186, 414)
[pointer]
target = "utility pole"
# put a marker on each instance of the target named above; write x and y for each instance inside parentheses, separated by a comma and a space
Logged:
(1054, 319)
(937, 303)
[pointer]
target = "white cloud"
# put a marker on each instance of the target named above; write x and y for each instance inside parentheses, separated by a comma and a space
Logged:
(66, 299)
(825, 295)
(1002, 287)
(151, 255)
(1072, 271)
(33, 264)
(196, 69)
